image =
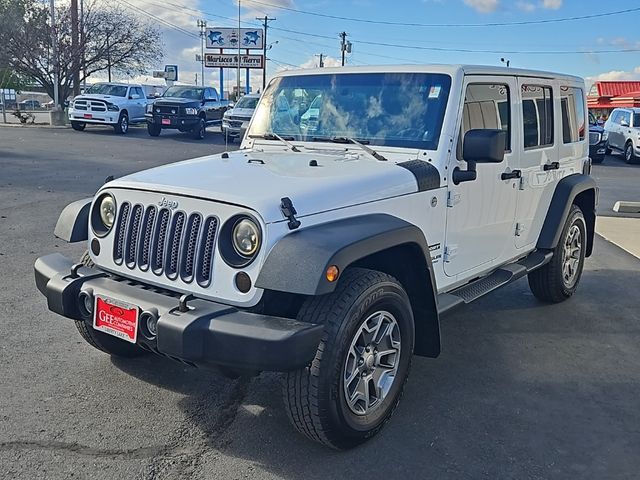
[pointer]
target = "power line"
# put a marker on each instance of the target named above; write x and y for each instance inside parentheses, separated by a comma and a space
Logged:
(161, 20)
(433, 25)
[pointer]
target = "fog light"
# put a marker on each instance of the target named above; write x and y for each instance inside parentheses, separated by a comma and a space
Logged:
(95, 247)
(243, 282)
(85, 304)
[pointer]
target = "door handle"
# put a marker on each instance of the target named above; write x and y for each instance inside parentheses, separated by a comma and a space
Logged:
(551, 166)
(510, 175)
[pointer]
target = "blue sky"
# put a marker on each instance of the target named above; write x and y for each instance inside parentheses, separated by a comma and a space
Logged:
(302, 36)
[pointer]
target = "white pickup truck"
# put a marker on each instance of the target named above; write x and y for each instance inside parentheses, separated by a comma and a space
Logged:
(115, 104)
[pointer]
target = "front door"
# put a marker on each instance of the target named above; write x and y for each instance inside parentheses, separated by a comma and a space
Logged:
(480, 213)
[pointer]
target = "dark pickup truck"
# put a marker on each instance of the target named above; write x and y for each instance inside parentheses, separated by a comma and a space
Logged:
(186, 108)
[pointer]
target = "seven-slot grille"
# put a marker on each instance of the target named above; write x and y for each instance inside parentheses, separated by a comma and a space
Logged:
(90, 105)
(594, 138)
(168, 243)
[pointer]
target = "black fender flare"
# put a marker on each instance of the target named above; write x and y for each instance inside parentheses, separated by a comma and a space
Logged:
(73, 223)
(579, 189)
(297, 264)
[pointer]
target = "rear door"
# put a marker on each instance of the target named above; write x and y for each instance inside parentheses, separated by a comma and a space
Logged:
(614, 129)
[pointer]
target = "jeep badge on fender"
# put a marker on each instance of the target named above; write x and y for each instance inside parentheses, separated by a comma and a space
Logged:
(329, 246)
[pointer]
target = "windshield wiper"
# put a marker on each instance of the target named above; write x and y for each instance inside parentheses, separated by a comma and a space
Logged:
(275, 136)
(360, 144)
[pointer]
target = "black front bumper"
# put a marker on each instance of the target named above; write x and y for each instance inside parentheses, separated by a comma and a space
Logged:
(181, 122)
(597, 151)
(207, 334)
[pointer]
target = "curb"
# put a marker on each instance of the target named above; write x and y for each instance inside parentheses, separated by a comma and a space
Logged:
(627, 207)
(32, 125)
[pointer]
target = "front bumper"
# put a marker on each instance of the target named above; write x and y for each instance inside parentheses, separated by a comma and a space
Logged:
(94, 117)
(180, 122)
(207, 334)
(598, 150)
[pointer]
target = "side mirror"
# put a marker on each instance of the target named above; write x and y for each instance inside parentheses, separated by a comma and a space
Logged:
(480, 146)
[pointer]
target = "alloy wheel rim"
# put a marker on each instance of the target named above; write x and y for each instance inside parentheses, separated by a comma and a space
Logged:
(372, 362)
(628, 152)
(124, 125)
(572, 252)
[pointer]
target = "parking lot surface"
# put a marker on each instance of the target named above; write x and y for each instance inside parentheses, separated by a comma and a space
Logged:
(521, 390)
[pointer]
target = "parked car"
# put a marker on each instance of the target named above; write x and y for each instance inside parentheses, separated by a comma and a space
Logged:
(623, 133)
(187, 109)
(29, 105)
(597, 140)
(115, 104)
(239, 114)
(332, 257)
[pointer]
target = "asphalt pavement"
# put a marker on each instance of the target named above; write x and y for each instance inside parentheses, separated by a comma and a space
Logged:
(522, 390)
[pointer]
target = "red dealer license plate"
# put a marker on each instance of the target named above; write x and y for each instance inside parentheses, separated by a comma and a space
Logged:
(116, 318)
(87, 115)
(166, 121)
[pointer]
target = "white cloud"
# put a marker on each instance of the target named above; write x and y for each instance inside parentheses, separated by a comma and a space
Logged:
(313, 62)
(526, 6)
(552, 4)
(614, 75)
(483, 6)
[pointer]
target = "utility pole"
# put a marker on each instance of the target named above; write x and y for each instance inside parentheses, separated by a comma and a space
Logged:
(343, 45)
(108, 57)
(54, 52)
(75, 63)
(321, 55)
(239, 55)
(202, 25)
(266, 21)
(82, 48)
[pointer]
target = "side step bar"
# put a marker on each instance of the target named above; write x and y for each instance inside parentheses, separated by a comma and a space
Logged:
(498, 278)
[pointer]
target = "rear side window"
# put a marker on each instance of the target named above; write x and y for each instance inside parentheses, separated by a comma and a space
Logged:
(573, 124)
(537, 113)
(486, 106)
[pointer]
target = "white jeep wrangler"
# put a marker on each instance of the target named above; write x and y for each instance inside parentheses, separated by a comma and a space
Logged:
(116, 104)
(331, 253)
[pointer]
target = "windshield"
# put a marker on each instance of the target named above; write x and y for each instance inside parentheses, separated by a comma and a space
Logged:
(107, 89)
(184, 92)
(390, 109)
(247, 102)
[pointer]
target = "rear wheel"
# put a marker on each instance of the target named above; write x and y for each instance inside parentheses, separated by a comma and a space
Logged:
(122, 126)
(154, 129)
(78, 126)
(558, 279)
(354, 383)
(200, 130)
(102, 341)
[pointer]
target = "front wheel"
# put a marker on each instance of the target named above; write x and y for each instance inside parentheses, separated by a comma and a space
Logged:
(122, 126)
(154, 129)
(558, 280)
(200, 129)
(629, 154)
(78, 126)
(354, 383)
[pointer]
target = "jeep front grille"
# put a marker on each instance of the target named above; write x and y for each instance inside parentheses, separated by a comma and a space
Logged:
(173, 244)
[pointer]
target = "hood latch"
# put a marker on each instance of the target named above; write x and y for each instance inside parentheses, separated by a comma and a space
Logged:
(289, 211)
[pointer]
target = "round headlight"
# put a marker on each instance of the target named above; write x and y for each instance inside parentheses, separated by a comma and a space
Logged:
(246, 237)
(108, 211)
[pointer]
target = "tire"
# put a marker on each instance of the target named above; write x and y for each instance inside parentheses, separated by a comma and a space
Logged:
(78, 126)
(200, 130)
(315, 397)
(122, 127)
(629, 154)
(549, 283)
(102, 341)
(154, 129)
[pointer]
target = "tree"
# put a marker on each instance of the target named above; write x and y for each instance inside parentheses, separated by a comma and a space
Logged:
(112, 39)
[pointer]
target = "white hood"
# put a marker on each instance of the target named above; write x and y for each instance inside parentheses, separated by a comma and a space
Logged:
(340, 180)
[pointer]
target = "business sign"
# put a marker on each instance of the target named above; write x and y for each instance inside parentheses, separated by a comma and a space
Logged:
(252, 38)
(231, 60)
(171, 73)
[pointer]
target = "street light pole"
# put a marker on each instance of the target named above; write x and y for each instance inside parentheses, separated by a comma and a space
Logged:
(202, 24)
(54, 52)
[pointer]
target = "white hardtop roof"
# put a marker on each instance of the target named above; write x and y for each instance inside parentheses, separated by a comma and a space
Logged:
(427, 68)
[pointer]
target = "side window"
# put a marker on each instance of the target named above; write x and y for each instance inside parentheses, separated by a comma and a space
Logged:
(537, 112)
(626, 117)
(615, 117)
(486, 106)
(140, 92)
(572, 101)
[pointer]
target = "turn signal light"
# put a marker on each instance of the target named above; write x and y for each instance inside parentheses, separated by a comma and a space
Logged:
(332, 273)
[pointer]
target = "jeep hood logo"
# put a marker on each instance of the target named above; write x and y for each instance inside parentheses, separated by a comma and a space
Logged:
(172, 204)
